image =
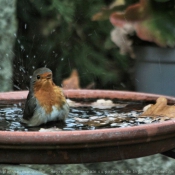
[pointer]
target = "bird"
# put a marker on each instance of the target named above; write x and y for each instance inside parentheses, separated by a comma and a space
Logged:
(45, 101)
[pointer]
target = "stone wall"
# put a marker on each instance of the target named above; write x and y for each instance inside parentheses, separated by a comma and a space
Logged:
(8, 27)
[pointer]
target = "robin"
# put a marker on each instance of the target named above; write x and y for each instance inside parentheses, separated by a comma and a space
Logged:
(45, 101)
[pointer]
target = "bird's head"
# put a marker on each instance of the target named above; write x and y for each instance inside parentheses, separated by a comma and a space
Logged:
(41, 77)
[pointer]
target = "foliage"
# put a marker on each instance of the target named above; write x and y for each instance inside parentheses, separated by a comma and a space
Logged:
(152, 20)
(60, 34)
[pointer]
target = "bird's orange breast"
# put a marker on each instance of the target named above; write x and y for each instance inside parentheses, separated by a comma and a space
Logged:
(48, 95)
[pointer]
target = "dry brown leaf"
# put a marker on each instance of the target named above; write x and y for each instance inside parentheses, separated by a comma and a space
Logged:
(49, 129)
(160, 109)
(99, 121)
(72, 82)
(100, 104)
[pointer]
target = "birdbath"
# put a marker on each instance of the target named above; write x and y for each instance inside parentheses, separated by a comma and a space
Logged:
(83, 146)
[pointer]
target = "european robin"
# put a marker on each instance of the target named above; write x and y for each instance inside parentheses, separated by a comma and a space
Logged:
(45, 101)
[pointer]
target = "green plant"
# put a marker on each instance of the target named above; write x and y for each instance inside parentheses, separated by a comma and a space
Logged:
(61, 35)
(151, 20)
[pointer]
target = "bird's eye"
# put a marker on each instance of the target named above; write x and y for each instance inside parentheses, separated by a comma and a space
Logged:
(38, 77)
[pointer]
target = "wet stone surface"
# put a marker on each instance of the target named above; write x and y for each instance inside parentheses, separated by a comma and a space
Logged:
(87, 116)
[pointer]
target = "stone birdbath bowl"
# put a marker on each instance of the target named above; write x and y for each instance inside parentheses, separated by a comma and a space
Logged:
(84, 146)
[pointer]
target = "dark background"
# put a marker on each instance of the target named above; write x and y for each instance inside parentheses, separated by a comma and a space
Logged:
(60, 35)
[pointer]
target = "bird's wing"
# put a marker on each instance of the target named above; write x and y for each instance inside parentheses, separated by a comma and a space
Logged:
(30, 106)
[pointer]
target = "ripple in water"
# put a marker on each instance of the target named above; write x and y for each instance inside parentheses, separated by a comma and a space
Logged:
(80, 118)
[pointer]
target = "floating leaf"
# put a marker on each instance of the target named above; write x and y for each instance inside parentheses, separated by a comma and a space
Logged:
(101, 121)
(160, 109)
(100, 104)
(49, 129)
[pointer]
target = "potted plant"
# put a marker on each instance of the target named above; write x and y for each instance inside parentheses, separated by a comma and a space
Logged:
(149, 26)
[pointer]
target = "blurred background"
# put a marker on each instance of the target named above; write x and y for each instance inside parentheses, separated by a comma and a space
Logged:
(93, 38)
(62, 36)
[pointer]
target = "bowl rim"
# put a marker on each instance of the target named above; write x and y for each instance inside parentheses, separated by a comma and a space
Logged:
(88, 138)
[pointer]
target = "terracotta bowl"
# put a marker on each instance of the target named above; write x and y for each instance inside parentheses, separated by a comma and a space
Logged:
(86, 146)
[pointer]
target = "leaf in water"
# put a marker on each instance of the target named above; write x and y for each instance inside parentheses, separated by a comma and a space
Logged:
(100, 104)
(161, 109)
(101, 121)
(50, 129)
(105, 104)
(81, 120)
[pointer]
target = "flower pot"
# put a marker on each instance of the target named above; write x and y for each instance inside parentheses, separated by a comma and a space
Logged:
(155, 70)
(86, 145)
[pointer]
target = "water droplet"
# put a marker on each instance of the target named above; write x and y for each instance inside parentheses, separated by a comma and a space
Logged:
(21, 69)
(17, 87)
(22, 47)
(25, 26)
(53, 31)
